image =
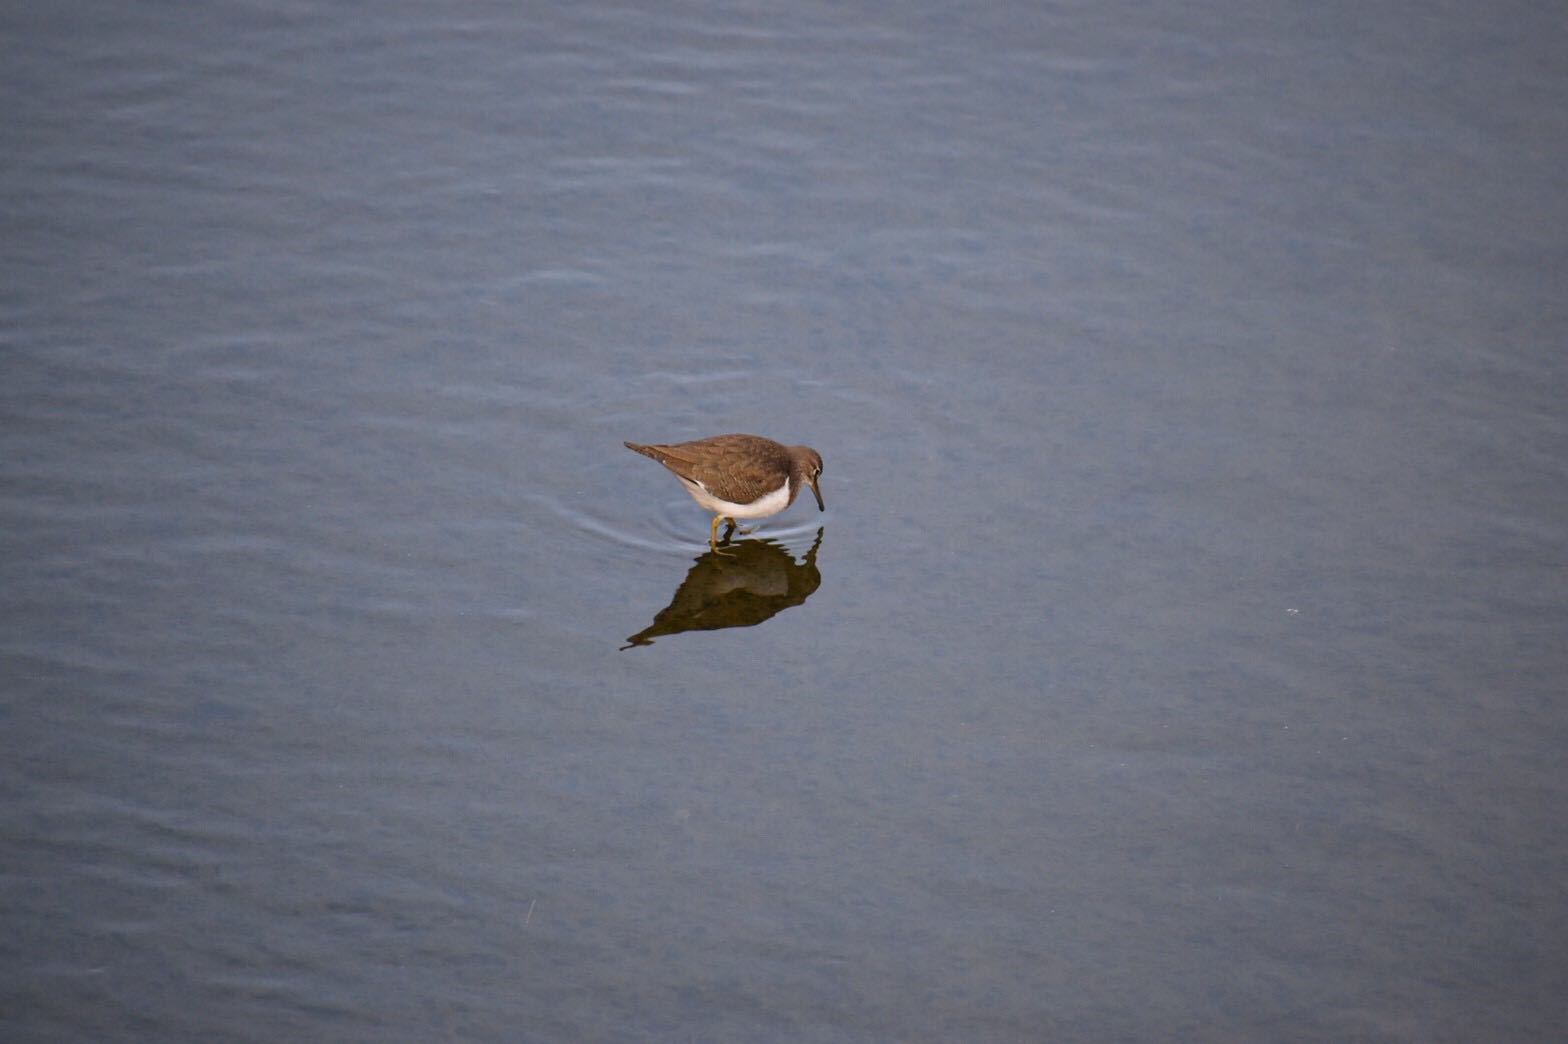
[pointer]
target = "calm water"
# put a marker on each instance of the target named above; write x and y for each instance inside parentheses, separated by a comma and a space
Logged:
(1181, 654)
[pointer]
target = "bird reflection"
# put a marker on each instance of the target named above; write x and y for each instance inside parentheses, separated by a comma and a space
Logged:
(739, 586)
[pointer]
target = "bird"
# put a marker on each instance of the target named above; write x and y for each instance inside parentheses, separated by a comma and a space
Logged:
(739, 476)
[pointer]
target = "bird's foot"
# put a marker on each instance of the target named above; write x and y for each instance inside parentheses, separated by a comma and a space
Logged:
(714, 542)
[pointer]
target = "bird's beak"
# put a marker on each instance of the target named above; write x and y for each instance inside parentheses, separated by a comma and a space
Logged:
(818, 494)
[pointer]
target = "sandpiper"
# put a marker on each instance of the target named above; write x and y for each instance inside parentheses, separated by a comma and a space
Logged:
(739, 476)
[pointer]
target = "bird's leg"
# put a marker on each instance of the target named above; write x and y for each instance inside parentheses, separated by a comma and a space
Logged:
(713, 535)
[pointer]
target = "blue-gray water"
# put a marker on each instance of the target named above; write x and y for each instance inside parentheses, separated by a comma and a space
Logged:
(1183, 654)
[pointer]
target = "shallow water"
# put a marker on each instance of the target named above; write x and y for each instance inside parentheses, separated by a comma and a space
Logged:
(1180, 655)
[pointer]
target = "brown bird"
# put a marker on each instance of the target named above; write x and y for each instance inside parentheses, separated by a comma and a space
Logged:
(739, 476)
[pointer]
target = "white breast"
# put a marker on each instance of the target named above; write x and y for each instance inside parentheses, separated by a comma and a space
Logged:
(762, 507)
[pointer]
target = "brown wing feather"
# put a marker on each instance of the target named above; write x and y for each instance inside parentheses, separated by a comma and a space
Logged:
(738, 468)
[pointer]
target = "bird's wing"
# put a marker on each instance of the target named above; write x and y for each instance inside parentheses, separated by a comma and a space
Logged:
(744, 467)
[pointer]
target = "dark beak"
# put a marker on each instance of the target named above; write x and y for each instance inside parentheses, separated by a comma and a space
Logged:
(818, 494)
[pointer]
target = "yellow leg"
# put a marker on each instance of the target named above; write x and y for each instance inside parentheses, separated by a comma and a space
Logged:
(713, 535)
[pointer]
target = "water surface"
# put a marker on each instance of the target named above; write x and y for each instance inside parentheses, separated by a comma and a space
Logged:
(1180, 655)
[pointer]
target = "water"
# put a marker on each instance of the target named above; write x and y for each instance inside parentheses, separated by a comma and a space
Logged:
(1180, 655)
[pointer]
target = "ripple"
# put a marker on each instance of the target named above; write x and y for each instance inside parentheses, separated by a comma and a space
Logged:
(668, 525)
